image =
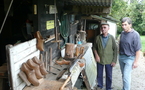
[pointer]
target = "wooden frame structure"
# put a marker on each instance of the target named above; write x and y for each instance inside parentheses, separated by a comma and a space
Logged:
(17, 55)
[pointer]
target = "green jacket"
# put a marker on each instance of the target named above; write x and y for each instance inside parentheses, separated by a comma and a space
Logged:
(109, 53)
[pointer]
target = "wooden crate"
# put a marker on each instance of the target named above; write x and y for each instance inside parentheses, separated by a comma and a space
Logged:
(17, 55)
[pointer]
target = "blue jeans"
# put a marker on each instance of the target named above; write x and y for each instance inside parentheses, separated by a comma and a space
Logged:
(126, 63)
(108, 70)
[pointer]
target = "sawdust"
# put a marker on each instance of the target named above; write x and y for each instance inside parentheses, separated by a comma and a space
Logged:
(46, 85)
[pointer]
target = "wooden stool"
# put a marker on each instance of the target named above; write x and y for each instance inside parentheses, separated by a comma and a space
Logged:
(69, 50)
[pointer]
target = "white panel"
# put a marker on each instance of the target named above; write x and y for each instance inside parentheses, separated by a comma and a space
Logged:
(18, 80)
(19, 54)
(20, 87)
(22, 46)
(24, 53)
(113, 28)
(75, 71)
(12, 68)
(90, 69)
(18, 64)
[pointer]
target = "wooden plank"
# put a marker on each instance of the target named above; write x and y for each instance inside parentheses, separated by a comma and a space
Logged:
(18, 80)
(22, 46)
(86, 80)
(11, 68)
(90, 67)
(75, 73)
(16, 73)
(23, 54)
(18, 64)
(3, 70)
(17, 55)
(46, 85)
(20, 87)
(9, 64)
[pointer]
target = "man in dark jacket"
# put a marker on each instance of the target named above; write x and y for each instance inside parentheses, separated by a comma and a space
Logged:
(105, 51)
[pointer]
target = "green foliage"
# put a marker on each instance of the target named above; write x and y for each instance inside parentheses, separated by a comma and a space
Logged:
(118, 6)
(143, 42)
(135, 10)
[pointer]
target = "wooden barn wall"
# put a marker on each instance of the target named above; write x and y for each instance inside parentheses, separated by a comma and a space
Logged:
(14, 30)
(39, 21)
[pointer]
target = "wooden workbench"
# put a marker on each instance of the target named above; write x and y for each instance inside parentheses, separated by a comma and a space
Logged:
(20, 53)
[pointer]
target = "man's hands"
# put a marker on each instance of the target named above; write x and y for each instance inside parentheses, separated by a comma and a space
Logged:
(97, 58)
(137, 57)
(113, 64)
(135, 65)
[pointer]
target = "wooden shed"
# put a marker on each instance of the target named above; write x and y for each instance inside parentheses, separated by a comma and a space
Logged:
(43, 28)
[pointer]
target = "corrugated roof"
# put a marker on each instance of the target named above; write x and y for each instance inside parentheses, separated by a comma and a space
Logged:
(95, 17)
(106, 3)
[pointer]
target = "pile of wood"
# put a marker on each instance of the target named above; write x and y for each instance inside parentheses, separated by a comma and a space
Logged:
(46, 85)
(3, 70)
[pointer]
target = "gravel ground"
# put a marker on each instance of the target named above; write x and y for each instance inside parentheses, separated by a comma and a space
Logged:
(138, 76)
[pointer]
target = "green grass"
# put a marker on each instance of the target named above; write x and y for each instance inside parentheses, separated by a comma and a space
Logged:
(143, 42)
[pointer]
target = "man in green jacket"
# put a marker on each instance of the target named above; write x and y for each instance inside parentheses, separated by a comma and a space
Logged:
(105, 51)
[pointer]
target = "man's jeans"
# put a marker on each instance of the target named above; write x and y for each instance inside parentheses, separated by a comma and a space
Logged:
(126, 63)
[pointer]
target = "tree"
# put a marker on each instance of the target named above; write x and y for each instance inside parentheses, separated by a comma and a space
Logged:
(134, 10)
(118, 6)
(142, 25)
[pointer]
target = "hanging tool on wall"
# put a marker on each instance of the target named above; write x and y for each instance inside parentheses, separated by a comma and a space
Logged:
(64, 28)
(56, 26)
(54, 67)
(6, 16)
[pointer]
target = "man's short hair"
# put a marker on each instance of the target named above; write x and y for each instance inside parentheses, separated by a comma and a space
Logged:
(104, 23)
(126, 19)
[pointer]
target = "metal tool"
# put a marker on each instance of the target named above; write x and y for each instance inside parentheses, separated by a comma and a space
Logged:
(54, 67)
(61, 73)
(56, 26)
(52, 72)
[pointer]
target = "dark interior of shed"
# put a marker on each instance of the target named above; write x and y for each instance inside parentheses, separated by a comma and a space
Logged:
(21, 24)
(13, 31)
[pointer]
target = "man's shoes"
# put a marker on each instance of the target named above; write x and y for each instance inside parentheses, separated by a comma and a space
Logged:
(98, 88)
(110, 89)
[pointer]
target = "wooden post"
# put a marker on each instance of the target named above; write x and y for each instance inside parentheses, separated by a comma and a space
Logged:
(50, 59)
(9, 66)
